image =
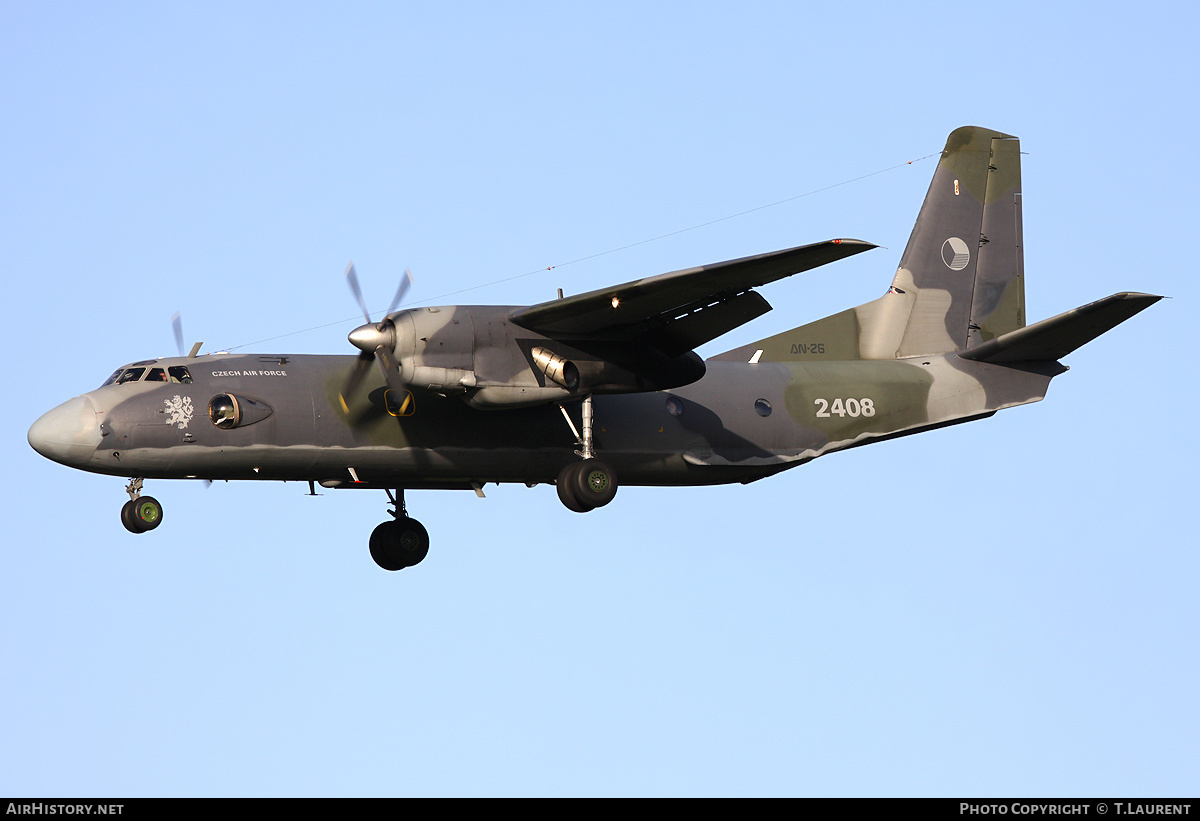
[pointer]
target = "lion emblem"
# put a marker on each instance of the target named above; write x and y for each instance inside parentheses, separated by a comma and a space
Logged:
(179, 410)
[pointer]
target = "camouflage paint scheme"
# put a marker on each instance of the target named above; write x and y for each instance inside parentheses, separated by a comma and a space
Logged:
(946, 344)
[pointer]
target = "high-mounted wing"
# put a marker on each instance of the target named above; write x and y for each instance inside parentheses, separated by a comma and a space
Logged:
(678, 311)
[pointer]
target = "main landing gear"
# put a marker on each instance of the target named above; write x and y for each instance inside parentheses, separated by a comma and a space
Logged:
(140, 513)
(401, 542)
(586, 485)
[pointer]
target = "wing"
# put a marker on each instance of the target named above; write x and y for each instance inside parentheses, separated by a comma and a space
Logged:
(681, 310)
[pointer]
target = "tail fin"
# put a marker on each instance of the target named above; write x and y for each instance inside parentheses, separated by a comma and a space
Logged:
(963, 264)
(960, 281)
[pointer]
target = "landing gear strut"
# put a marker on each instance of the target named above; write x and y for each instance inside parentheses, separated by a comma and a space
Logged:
(401, 542)
(586, 485)
(140, 513)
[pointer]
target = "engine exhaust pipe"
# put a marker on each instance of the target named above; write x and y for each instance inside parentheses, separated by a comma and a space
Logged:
(558, 370)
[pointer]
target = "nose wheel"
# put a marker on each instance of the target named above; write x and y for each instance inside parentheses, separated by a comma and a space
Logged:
(140, 513)
(400, 543)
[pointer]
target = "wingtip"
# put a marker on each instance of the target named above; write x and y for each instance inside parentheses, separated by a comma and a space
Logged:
(857, 244)
(1145, 300)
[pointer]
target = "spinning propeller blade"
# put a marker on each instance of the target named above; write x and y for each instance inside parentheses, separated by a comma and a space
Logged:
(405, 284)
(356, 376)
(352, 279)
(377, 342)
(391, 370)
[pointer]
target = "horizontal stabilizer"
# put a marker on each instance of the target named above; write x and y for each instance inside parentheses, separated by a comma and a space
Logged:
(1056, 337)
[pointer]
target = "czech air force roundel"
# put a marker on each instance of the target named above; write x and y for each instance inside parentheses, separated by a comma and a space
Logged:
(955, 254)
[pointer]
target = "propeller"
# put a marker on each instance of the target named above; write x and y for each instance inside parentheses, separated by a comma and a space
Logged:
(377, 341)
(177, 324)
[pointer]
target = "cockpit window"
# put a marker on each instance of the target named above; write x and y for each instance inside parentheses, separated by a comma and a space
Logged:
(176, 373)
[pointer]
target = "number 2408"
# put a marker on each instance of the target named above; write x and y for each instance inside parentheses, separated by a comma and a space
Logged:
(845, 407)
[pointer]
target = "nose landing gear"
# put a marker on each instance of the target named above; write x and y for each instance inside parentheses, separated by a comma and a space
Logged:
(140, 513)
(400, 543)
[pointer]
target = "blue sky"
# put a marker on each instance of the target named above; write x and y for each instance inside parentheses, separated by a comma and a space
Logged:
(1000, 608)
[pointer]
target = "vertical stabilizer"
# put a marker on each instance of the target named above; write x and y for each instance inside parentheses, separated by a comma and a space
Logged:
(961, 279)
(962, 263)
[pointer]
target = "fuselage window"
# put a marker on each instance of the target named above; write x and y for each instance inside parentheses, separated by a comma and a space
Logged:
(156, 375)
(131, 375)
(180, 374)
(762, 407)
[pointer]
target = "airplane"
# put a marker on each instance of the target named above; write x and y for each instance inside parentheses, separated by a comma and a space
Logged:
(587, 390)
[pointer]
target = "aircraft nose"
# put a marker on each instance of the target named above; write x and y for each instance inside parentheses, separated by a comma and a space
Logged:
(69, 434)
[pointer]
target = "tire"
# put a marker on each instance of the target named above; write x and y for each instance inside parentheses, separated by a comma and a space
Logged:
(141, 514)
(414, 541)
(384, 540)
(127, 518)
(566, 482)
(399, 544)
(594, 483)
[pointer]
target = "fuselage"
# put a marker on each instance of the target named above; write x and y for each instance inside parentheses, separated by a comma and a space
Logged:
(740, 422)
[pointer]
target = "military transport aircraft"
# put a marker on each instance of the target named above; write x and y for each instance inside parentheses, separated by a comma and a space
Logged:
(588, 390)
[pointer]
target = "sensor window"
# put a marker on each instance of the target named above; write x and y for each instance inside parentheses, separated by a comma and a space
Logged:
(223, 411)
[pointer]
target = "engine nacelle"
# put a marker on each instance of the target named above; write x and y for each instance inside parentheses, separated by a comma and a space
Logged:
(438, 379)
(501, 397)
(477, 352)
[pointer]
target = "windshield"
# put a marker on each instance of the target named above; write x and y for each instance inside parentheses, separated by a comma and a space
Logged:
(175, 373)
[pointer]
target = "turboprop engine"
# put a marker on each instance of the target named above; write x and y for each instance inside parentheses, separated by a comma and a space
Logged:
(479, 353)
